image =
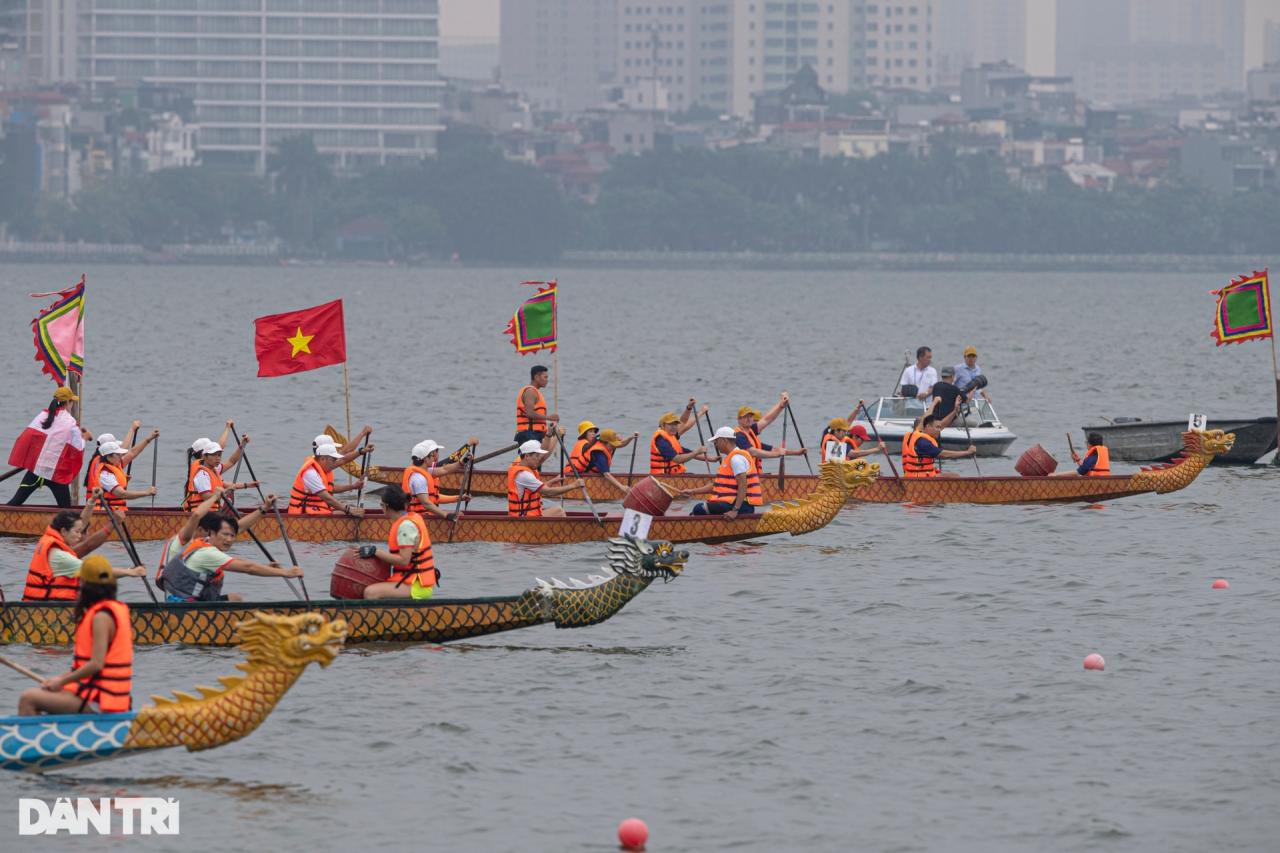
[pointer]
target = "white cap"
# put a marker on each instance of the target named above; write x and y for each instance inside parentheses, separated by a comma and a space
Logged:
(211, 447)
(198, 445)
(322, 438)
(329, 450)
(423, 449)
(110, 448)
(725, 432)
(532, 446)
(106, 438)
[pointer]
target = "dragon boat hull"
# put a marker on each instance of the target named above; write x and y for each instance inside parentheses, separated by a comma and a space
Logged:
(36, 744)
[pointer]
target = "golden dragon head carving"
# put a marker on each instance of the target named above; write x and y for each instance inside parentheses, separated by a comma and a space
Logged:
(1210, 443)
(290, 642)
(859, 472)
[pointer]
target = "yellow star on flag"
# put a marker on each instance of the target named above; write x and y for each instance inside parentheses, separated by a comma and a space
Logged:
(300, 343)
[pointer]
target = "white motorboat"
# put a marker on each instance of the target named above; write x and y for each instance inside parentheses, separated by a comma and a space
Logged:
(893, 417)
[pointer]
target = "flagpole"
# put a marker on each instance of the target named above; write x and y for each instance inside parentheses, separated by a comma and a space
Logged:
(1276, 370)
(346, 392)
(76, 383)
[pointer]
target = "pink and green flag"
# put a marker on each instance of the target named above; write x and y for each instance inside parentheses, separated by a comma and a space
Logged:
(1244, 310)
(59, 334)
(533, 327)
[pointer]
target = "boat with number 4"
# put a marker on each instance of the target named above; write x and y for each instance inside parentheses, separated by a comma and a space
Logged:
(633, 566)
(814, 510)
(278, 648)
(1198, 449)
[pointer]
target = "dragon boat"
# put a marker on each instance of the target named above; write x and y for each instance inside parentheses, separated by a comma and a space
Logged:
(816, 509)
(1198, 449)
(278, 648)
(633, 566)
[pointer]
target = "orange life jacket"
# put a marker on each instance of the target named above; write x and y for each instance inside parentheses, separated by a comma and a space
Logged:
(528, 506)
(112, 686)
(657, 463)
(192, 468)
(913, 464)
(95, 466)
(422, 565)
(193, 498)
(753, 438)
(302, 502)
(522, 420)
(726, 482)
(118, 504)
(849, 441)
(42, 583)
(1103, 466)
(580, 458)
(433, 488)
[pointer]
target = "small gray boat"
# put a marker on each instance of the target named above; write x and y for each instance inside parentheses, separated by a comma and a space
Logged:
(1136, 440)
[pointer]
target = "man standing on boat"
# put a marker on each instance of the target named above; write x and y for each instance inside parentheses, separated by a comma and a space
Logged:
(666, 454)
(922, 448)
(920, 375)
(969, 371)
(747, 434)
(531, 407)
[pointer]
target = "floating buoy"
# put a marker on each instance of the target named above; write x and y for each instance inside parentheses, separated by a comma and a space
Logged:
(1095, 661)
(1221, 583)
(632, 834)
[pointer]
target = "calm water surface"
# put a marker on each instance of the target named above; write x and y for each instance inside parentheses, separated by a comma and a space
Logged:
(906, 679)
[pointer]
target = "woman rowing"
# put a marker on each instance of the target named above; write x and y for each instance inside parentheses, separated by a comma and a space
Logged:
(207, 476)
(50, 450)
(408, 551)
(101, 677)
(666, 454)
(113, 480)
(419, 481)
(593, 453)
(131, 452)
(54, 571)
(313, 490)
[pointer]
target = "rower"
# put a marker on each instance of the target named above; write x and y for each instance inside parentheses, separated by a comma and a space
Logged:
(54, 571)
(736, 488)
(195, 573)
(101, 677)
(50, 450)
(525, 491)
(751, 423)
(175, 543)
(346, 447)
(114, 481)
(313, 490)
(131, 453)
(207, 476)
(593, 453)
(531, 407)
(842, 442)
(1097, 458)
(408, 550)
(922, 448)
(666, 454)
(419, 481)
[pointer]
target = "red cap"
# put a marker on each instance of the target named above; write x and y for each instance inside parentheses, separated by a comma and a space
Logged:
(859, 430)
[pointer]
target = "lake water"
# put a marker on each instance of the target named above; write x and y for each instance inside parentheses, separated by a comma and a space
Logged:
(906, 679)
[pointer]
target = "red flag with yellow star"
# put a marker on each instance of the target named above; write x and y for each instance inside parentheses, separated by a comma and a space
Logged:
(300, 340)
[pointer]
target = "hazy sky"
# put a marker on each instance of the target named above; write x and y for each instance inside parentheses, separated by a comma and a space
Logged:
(469, 19)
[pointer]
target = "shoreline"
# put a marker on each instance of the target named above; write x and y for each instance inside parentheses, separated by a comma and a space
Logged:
(219, 255)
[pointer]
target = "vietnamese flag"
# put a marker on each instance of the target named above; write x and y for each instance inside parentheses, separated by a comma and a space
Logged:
(300, 340)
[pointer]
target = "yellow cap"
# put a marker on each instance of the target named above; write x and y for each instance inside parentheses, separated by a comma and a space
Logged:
(64, 395)
(584, 426)
(668, 418)
(838, 423)
(609, 437)
(747, 410)
(970, 351)
(97, 569)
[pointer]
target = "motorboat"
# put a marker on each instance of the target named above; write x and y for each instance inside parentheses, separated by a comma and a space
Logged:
(894, 416)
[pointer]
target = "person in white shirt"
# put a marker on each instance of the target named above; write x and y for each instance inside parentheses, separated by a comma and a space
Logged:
(920, 374)
(525, 490)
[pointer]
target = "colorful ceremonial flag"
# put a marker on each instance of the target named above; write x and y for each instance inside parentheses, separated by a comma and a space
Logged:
(59, 334)
(1244, 310)
(533, 327)
(300, 340)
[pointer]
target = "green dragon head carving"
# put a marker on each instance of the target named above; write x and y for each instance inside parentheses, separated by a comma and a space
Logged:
(645, 559)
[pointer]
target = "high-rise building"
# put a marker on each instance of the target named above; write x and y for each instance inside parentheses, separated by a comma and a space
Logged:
(772, 41)
(1261, 33)
(357, 76)
(891, 45)
(560, 54)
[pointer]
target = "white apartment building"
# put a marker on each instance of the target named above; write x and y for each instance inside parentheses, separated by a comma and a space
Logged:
(682, 46)
(774, 40)
(892, 45)
(560, 54)
(358, 76)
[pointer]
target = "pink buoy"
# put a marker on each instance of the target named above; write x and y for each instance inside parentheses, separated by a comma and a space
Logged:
(633, 834)
(1221, 583)
(1095, 661)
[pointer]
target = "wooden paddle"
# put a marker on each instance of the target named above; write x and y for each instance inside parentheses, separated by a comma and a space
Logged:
(288, 545)
(466, 490)
(585, 492)
(782, 460)
(965, 423)
(631, 469)
(894, 468)
(7, 474)
(270, 559)
(364, 469)
(17, 667)
(702, 442)
(155, 451)
(1072, 448)
(799, 437)
(284, 534)
(122, 533)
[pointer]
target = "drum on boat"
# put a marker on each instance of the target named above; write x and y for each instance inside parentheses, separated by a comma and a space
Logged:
(352, 573)
(1036, 462)
(649, 497)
